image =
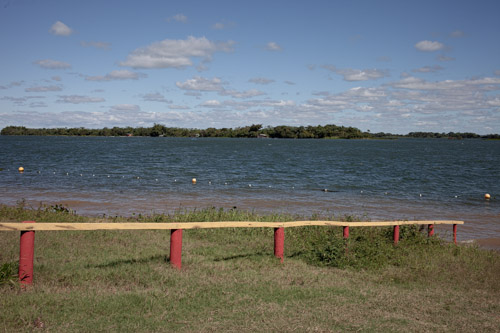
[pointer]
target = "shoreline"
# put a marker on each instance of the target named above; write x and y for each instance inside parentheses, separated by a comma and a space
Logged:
(93, 208)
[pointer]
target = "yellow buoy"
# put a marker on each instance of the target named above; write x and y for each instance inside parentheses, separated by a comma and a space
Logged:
(487, 196)
(21, 169)
(193, 180)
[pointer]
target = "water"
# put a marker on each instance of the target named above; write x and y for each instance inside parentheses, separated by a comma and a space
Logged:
(379, 179)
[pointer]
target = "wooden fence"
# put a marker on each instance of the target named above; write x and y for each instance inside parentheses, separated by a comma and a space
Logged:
(28, 228)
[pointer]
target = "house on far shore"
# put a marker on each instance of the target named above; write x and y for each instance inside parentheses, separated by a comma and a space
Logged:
(263, 136)
(129, 134)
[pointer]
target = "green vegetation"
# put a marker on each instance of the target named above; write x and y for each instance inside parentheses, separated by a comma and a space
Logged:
(253, 131)
(121, 280)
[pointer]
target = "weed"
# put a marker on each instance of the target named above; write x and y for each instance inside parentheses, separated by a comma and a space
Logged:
(8, 273)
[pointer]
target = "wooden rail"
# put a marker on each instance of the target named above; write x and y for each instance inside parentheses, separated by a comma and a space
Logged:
(55, 226)
(28, 228)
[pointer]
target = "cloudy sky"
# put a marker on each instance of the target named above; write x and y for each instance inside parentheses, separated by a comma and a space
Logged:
(391, 66)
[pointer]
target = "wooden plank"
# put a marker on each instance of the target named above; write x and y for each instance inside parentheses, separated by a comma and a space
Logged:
(367, 224)
(49, 226)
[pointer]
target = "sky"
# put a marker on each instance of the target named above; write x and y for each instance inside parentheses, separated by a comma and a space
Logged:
(381, 66)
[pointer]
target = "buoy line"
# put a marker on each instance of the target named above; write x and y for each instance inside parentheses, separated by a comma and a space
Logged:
(21, 170)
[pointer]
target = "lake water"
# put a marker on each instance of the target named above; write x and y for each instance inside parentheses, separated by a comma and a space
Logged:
(378, 179)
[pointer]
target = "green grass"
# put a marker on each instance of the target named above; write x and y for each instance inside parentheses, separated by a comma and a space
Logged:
(87, 281)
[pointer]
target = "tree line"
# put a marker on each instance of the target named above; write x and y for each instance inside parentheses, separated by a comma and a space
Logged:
(253, 131)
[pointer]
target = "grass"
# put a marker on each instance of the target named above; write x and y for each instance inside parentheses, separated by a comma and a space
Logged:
(121, 280)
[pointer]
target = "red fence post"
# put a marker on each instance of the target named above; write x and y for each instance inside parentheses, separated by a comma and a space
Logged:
(279, 243)
(176, 248)
(430, 229)
(26, 255)
(346, 232)
(455, 234)
(346, 236)
(396, 234)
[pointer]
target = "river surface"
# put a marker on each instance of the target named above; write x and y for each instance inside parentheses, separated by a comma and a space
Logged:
(372, 179)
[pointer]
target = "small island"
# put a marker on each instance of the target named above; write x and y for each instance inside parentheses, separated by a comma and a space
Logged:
(252, 131)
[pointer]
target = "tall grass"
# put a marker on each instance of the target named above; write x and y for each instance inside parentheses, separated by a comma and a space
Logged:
(121, 280)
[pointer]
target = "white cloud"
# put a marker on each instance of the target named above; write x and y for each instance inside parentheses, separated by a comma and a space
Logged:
(117, 75)
(178, 107)
(171, 53)
(12, 84)
(97, 45)
(20, 100)
(60, 29)
(155, 97)
(361, 74)
(201, 84)
(52, 64)
(261, 80)
(457, 34)
(43, 89)
(429, 46)
(273, 46)
(242, 94)
(178, 18)
(218, 26)
(280, 103)
(351, 74)
(211, 103)
(78, 99)
(442, 57)
(126, 108)
(428, 69)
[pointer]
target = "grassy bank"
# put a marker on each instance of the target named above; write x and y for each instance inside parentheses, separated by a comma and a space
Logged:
(121, 281)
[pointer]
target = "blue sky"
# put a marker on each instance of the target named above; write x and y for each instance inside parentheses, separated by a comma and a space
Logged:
(391, 66)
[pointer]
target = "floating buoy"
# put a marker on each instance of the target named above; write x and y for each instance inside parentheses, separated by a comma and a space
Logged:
(193, 181)
(487, 196)
(21, 169)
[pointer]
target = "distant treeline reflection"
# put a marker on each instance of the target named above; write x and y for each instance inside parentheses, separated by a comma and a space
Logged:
(252, 131)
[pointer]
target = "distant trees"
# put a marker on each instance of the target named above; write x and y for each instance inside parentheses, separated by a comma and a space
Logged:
(253, 131)
(450, 135)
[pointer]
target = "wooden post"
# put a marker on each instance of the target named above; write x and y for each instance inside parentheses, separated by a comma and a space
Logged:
(176, 248)
(455, 234)
(346, 232)
(430, 230)
(26, 255)
(279, 243)
(396, 234)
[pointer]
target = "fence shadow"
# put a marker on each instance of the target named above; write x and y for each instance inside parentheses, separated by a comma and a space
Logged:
(116, 263)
